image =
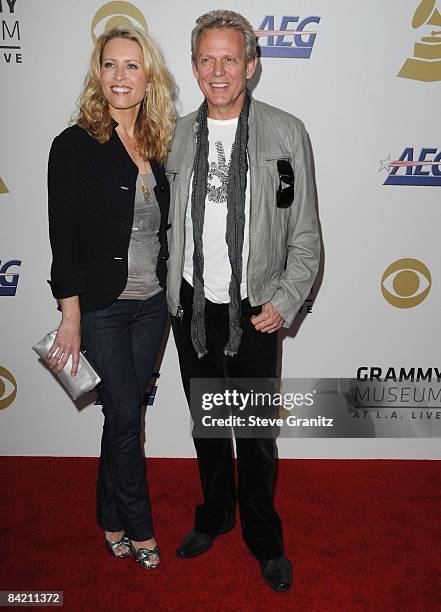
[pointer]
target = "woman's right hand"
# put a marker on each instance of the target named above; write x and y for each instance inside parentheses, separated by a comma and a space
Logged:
(68, 339)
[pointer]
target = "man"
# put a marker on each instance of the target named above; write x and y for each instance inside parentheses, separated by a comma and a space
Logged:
(244, 251)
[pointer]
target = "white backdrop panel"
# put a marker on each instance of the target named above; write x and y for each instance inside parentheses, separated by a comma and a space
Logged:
(357, 113)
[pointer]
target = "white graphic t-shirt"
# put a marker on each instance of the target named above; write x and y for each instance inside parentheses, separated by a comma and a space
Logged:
(217, 269)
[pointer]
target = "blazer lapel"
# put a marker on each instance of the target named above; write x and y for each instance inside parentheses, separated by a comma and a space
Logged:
(161, 189)
(116, 148)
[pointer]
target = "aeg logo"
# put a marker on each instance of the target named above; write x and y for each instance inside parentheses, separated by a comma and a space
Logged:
(287, 42)
(8, 277)
(413, 168)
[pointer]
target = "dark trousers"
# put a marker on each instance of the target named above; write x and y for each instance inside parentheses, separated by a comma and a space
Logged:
(122, 342)
(256, 459)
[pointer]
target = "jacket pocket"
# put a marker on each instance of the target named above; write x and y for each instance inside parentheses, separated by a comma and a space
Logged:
(283, 192)
(172, 175)
(286, 181)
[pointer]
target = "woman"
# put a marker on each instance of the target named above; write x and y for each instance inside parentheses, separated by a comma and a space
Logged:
(108, 207)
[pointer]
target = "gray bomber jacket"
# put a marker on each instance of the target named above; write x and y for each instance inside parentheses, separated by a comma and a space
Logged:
(284, 242)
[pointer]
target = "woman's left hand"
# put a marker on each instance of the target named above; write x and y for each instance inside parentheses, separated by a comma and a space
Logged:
(68, 339)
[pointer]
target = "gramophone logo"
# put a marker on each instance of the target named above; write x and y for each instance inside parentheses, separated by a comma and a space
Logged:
(114, 14)
(3, 188)
(425, 65)
(406, 283)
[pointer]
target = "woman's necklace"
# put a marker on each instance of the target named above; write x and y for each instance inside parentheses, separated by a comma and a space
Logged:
(144, 187)
(131, 150)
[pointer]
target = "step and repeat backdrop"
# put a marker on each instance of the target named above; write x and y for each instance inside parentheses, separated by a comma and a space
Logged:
(366, 80)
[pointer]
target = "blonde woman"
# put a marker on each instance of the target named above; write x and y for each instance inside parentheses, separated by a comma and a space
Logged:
(108, 208)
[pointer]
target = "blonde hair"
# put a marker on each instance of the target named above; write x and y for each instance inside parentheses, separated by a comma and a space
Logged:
(156, 118)
(225, 19)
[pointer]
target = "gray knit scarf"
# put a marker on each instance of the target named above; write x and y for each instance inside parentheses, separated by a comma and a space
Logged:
(234, 232)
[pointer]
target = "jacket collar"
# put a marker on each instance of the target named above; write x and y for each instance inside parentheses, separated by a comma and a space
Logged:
(251, 115)
(252, 142)
(252, 112)
(159, 174)
(116, 147)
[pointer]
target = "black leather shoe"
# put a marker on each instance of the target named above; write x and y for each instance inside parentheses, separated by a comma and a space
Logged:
(277, 573)
(194, 544)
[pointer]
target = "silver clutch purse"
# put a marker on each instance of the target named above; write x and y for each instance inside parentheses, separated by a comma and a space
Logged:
(86, 378)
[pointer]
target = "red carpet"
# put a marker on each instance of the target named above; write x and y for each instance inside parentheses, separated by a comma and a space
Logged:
(363, 535)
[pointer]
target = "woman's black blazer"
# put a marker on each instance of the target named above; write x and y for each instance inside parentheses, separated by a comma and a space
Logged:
(91, 202)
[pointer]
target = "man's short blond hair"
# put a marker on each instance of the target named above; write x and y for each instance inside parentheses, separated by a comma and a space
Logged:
(225, 19)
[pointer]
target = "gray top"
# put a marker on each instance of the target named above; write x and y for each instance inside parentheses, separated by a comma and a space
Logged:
(142, 282)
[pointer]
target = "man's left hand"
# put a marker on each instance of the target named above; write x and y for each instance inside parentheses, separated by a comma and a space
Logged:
(269, 320)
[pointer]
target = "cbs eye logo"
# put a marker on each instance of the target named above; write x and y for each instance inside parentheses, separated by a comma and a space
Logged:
(8, 388)
(117, 14)
(406, 283)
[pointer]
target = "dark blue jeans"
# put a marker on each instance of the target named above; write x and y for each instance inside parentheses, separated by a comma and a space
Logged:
(122, 342)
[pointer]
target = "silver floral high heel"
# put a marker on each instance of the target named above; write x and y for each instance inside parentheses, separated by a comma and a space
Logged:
(113, 546)
(148, 558)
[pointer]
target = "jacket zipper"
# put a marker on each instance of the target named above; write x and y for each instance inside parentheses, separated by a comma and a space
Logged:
(249, 225)
(180, 310)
